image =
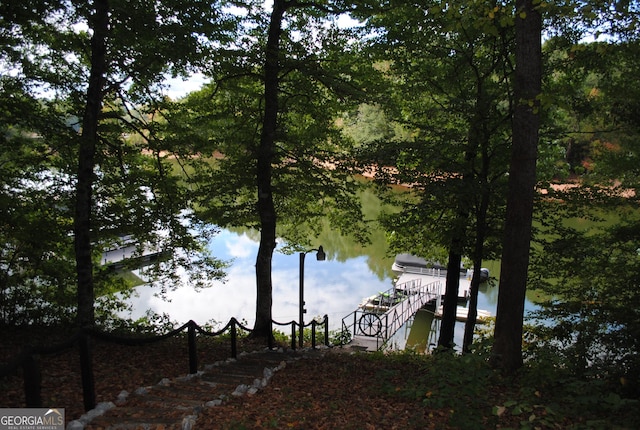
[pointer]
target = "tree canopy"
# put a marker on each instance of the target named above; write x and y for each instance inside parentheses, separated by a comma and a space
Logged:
(456, 102)
(92, 76)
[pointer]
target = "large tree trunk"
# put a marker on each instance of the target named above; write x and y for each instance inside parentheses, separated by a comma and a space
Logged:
(84, 186)
(507, 347)
(266, 209)
(88, 140)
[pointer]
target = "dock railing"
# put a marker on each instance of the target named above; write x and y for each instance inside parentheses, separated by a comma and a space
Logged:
(382, 322)
(416, 299)
(438, 272)
(429, 271)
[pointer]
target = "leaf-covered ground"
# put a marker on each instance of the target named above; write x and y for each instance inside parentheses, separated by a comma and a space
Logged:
(116, 367)
(337, 390)
(406, 391)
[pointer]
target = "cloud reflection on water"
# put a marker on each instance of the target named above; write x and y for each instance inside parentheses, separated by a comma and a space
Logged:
(331, 287)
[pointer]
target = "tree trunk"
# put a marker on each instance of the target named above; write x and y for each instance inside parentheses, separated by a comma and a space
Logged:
(470, 324)
(447, 327)
(448, 323)
(507, 347)
(266, 208)
(478, 251)
(84, 187)
(88, 141)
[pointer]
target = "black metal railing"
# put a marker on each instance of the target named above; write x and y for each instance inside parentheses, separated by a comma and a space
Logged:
(30, 356)
(293, 325)
(313, 324)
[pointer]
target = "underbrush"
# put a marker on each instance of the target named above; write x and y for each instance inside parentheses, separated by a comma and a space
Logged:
(473, 395)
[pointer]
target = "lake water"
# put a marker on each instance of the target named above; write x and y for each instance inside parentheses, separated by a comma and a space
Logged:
(333, 287)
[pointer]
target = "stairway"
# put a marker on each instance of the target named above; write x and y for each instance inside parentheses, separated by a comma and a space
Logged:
(175, 404)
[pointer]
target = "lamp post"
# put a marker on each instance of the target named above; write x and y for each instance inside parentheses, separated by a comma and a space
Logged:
(320, 256)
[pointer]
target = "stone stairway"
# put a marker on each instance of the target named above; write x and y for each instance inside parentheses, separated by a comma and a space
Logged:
(175, 404)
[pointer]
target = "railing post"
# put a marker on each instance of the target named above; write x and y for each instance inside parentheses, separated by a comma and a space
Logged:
(32, 379)
(354, 322)
(193, 354)
(234, 338)
(386, 327)
(86, 371)
(326, 330)
(313, 333)
(293, 335)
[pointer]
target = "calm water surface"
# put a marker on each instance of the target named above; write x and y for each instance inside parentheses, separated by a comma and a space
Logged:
(333, 287)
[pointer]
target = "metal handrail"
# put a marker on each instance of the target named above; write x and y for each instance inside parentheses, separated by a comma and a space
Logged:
(430, 271)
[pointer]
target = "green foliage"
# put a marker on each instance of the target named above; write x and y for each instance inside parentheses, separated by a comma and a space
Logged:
(462, 382)
(281, 337)
(470, 394)
(311, 164)
(592, 273)
(42, 100)
(319, 338)
(36, 257)
(441, 381)
(151, 324)
(532, 416)
(554, 392)
(589, 100)
(589, 270)
(447, 104)
(339, 337)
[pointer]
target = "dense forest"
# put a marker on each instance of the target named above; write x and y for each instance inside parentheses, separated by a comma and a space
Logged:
(504, 120)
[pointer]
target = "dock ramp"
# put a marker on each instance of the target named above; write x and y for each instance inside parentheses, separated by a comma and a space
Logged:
(375, 321)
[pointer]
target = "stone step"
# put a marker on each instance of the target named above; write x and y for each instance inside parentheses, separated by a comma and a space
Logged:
(134, 417)
(175, 404)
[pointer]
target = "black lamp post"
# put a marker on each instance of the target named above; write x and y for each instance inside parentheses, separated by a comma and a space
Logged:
(320, 256)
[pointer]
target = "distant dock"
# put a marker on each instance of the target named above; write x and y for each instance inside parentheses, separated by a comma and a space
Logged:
(130, 255)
